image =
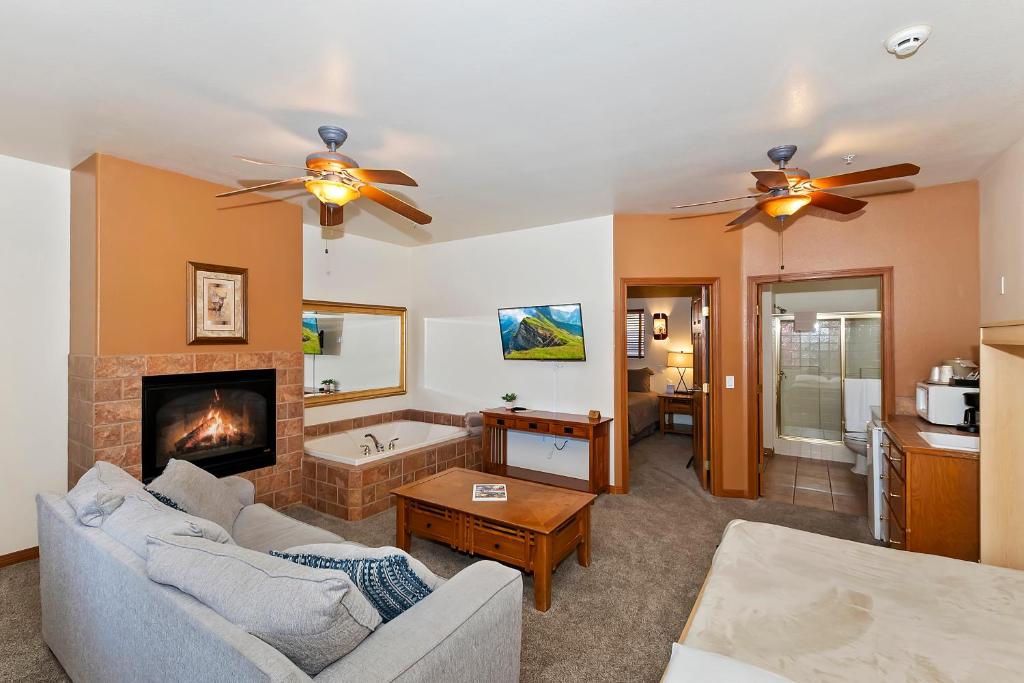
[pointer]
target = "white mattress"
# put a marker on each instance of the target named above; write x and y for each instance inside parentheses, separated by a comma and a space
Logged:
(814, 608)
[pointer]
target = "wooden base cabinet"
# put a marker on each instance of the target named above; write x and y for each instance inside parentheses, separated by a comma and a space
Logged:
(931, 494)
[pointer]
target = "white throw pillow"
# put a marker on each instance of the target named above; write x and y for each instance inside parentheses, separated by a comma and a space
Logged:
(313, 616)
(690, 665)
(100, 491)
(355, 551)
(139, 517)
(198, 492)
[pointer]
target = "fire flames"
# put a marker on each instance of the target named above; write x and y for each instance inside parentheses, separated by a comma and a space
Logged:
(215, 429)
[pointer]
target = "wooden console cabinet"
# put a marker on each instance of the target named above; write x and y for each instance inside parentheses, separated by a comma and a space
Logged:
(499, 421)
(932, 495)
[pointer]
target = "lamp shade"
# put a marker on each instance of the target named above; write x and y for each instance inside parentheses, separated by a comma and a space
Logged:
(680, 359)
(659, 326)
(782, 206)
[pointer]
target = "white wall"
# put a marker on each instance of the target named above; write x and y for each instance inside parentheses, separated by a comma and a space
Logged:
(459, 287)
(1001, 228)
(35, 281)
(842, 295)
(360, 271)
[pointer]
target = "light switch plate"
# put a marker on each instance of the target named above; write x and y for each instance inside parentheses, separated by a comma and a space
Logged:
(730, 382)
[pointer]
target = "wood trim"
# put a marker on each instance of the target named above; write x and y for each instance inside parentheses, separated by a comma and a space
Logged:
(715, 379)
(19, 556)
(317, 306)
(754, 369)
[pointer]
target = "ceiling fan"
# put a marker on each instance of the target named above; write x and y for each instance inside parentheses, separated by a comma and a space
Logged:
(784, 191)
(336, 180)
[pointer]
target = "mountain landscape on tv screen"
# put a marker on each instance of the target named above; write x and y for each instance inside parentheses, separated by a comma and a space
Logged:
(542, 333)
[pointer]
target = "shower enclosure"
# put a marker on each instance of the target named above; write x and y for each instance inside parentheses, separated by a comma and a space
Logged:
(812, 366)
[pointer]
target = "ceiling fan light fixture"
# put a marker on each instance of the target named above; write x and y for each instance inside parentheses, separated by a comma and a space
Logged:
(331, 191)
(785, 205)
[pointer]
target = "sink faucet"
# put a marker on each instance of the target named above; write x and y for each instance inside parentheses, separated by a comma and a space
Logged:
(376, 444)
(391, 444)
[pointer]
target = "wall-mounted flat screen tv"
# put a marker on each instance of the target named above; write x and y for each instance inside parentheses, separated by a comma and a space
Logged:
(542, 333)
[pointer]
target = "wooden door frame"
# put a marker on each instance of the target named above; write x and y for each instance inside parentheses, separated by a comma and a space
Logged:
(717, 383)
(755, 371)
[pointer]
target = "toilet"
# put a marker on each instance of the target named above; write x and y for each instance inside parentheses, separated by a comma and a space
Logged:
(858, 397)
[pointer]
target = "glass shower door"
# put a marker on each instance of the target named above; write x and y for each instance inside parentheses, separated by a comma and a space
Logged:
(810, 380)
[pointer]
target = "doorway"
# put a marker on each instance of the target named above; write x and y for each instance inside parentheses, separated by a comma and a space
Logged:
(667, 351)
(820, 366)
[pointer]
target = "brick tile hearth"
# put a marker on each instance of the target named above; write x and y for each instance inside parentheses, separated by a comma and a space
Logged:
(105, 412)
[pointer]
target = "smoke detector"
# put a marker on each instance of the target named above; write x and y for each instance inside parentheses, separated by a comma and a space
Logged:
(906, 42)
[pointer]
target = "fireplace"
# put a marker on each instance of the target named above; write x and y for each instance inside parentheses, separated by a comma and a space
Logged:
(224, 422)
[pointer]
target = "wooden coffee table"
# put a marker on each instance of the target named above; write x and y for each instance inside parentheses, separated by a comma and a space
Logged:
(534, 530)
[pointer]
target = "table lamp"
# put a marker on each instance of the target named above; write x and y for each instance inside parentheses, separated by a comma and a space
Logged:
(680, 360)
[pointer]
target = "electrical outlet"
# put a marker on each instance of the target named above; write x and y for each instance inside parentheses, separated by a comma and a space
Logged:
(730, 382)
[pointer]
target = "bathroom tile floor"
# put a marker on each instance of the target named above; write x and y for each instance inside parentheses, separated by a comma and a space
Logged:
(821, 484)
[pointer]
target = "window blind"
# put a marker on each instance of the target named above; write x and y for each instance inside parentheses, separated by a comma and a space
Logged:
(635, 333)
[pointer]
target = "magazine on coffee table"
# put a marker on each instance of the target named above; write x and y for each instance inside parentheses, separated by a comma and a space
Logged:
(486, 493)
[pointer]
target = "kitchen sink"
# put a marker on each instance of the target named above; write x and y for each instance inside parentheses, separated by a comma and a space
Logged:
(953, 442)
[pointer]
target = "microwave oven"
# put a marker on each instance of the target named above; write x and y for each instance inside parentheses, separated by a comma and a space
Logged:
(942, 404)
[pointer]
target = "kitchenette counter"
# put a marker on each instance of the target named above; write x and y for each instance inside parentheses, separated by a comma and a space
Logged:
(904, 430)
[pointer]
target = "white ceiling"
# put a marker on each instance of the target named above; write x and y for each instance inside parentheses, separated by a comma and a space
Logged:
(513, 114)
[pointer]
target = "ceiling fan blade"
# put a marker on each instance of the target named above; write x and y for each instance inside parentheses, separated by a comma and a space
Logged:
(837, 203)
(331, 215)
(715, 201)
(868, 176)
(273, 163)
(744, 217)
(264, 186)
(369, 175)
(773, 180)
(392, 202)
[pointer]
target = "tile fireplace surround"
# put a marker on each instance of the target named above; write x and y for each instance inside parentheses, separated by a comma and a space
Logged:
(105, 412)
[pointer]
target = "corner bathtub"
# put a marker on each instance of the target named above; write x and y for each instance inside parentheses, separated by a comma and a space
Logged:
(346, 447)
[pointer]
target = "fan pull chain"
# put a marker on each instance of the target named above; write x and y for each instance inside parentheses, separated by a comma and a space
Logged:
(782, 248)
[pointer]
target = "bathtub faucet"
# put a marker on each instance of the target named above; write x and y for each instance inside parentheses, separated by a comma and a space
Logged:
(376, 444)
(391, 444)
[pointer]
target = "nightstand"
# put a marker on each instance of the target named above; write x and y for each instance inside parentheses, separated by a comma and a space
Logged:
(674, 404)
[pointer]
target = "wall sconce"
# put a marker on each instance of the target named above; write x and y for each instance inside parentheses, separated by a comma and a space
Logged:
(659, 326)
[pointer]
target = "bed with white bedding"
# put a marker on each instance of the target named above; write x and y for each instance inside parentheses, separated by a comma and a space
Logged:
(814, 608)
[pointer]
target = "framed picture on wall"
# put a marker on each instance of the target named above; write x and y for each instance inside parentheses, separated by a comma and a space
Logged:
(218, 304)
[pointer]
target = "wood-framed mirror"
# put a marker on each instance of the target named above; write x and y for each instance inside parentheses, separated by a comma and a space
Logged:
(352, 352)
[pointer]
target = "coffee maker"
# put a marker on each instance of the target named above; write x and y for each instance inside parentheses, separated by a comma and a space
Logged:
(971, 421)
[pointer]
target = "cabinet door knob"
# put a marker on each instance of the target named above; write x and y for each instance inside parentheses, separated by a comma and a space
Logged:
(429, 524)
(497, 545)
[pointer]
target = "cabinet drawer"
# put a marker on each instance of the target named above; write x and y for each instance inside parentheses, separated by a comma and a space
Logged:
(528, 425)
(503, 422)
(896, 496)
(573, 431)
(895, 456)
(498, 542)
(897, 536)
(424, 522)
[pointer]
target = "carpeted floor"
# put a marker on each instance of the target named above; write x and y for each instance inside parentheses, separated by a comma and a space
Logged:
(614, 621)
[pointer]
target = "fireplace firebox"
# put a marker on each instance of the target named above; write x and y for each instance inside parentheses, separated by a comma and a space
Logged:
(224, 422)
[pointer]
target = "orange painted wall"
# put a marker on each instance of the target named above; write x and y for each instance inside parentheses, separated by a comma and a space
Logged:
(150, 222)
(929, 237)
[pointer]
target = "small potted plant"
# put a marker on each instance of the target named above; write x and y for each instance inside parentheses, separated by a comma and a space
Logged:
(510, 400)
(328, 385)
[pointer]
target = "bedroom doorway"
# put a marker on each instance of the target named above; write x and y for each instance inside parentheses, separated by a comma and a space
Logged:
(666, 351)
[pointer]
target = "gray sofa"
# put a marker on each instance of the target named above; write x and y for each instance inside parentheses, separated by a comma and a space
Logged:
(105, 620)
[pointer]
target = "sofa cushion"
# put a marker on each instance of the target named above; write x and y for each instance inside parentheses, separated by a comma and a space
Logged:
(199, 492)
(139, 517)
(261, 528)
(387, 582)
(100, 491)
(354, 551)
(313, 616)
